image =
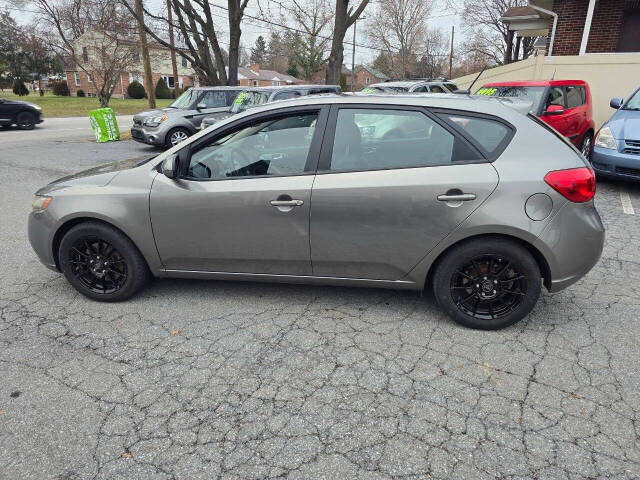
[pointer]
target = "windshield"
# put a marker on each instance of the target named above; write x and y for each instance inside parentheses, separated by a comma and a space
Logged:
(185, 100)
(385, 88)
(246, 100)
(633, 102)
(531, 94)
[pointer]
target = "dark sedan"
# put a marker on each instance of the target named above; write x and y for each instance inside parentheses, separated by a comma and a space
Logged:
(616, 150)
(23, 114)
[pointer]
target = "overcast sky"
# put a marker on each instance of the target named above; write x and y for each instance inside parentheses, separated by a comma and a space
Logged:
(441, 16)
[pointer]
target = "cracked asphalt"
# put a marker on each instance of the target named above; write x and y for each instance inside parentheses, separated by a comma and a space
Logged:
(194, 379)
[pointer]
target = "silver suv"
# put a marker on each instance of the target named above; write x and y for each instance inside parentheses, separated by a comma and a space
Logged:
(174, 124)
(463, 196)
(252, 97)
(413, 86)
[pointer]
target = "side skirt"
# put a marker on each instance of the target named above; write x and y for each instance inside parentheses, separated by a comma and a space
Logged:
(300, 279)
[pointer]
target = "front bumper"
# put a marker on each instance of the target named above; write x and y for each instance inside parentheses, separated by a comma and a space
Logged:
(150, 137)
(615, 164)
(572, 243)
(40, 228)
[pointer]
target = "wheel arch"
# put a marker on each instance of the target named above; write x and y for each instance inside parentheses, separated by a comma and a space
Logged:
(70, 223)
(543, 265)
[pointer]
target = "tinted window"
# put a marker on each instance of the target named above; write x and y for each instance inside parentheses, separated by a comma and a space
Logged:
(368, 139)
(318, 91)
(278, 146)
(555, 97)
(285, 95)
(488, 133)
(575, 97)
(451, 86)
(214, 98)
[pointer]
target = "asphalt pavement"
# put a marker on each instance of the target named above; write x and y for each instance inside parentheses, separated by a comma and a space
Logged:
(195, 379)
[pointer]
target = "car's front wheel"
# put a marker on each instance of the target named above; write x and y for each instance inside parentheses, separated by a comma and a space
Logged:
(176, 135)
(26, 120)
(585, 145)
(102, 263)
(488, 283)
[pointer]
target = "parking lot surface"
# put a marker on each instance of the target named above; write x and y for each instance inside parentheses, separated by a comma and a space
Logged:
(195, 379)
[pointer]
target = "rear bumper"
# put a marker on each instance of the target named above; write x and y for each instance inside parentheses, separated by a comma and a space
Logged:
(615, 164)
(572, 243)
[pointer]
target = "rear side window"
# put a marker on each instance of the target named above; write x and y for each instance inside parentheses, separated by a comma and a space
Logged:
(576, 96)
(489, 134)
(436, 89)
(285, 95)
(372, 139)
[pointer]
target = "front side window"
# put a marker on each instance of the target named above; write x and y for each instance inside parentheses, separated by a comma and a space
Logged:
(278, 146)
(370, 139)
(490, 134)
(633, 102)
(214, 99)
(555, 97)
(436, 89)
(575, 96)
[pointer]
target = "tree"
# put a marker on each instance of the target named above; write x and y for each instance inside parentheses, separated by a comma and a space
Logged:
(259, 51)
(343, 19)
(195, 22)
(144, 51)
(311, 18)
(484, 16)
(19, 88)
(399, 27)
(95, 35)
(136, 90)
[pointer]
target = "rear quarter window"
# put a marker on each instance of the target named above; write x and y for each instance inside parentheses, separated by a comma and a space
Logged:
(491, 135)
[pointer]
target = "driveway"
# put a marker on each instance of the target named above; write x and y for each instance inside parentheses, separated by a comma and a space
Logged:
(194, 379)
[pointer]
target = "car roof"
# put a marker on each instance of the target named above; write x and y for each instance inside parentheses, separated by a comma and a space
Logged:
(221, 87)
(535, 83)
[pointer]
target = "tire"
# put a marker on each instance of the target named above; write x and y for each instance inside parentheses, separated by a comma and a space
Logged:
(26, 120)
(488, 283)
(102, 263)
(176, 134)
(585, 145)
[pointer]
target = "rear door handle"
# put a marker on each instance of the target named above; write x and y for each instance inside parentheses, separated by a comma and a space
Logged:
(286, 203)
(459, 197)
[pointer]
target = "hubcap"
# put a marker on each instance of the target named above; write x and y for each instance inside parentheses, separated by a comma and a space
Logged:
(488, 287)
(177, 137)
(98, 265)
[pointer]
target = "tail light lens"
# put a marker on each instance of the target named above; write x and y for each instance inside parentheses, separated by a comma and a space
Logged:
(575, 184)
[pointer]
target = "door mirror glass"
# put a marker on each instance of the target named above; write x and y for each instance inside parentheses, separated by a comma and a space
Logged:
(554, 110)
(615, 103)
(170, 166)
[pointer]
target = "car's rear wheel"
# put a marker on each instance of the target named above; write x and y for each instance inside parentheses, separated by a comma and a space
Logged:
(102, 263)
(176, 135)
(585, 145)
(488, 283)
(26, 120)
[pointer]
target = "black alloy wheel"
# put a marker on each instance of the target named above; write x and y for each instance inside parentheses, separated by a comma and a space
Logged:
(26, 120)
(487, 283)
(101, 262)
(98, 265)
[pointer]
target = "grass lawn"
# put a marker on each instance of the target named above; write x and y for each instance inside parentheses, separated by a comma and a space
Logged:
(53, 106)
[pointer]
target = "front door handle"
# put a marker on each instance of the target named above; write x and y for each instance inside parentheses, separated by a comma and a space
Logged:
(458, 197)
(286, 203)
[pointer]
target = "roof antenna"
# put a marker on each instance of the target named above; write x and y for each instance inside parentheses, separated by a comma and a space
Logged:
(554, 73)
(468, 90)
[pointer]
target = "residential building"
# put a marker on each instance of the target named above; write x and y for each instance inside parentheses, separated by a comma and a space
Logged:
(366, 76)
(90, 47)
(321, 75)
(257, 77)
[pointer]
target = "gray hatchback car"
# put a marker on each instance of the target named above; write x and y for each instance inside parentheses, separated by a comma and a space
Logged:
(169, 126)
(461, 195)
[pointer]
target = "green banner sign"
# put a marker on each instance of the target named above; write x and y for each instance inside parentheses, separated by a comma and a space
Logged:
(104, 125)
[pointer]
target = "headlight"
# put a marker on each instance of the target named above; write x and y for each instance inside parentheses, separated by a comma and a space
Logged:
(40, 203)
(605, 139)
(155, 121)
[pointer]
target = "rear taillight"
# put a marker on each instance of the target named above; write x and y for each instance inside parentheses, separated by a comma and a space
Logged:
(575, 184)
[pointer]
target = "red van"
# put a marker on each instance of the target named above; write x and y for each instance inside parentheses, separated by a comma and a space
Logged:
(563, 104)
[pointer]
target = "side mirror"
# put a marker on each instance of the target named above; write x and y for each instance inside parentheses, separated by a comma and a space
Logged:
(615, 103)
(201, 106)
(170, 167)
(554, 110)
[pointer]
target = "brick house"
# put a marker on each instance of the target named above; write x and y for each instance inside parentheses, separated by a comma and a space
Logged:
(581, 26)
(321, 75)
(367, 75)
(88, 46)
(257, 77)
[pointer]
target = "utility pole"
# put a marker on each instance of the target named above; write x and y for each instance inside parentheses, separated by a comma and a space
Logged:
(451, 52)
(144, 51)
(173, 51)
(353, 55)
